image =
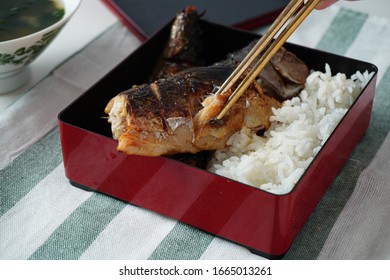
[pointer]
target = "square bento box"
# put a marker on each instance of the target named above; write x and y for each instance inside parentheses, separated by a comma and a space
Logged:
(263, 222)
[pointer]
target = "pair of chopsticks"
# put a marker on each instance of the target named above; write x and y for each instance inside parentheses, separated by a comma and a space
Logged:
(290, 18)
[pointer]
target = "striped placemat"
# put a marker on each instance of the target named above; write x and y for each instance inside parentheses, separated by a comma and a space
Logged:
(43, 217)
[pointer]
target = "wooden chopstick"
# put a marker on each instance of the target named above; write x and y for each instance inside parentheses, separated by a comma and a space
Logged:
(288, 11)
(306, 6)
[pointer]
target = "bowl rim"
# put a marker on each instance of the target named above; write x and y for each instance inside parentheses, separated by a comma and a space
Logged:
(68, 13)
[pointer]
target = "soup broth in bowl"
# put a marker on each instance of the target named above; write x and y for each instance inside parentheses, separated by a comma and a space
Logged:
(19, 18)
(27, 27)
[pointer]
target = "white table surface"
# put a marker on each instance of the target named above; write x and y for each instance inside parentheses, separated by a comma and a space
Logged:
(93, 17)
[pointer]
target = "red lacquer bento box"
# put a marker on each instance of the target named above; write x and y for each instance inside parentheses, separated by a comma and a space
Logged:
(265, 223)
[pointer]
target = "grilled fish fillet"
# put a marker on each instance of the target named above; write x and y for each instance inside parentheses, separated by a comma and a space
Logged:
(175, 115)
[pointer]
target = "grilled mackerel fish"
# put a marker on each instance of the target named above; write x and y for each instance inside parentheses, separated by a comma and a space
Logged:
(175, 115)
(184, 47)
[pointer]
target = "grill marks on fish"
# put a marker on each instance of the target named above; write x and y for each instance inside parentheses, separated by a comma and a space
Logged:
(157, 114)
(164, 104)
(143, 107)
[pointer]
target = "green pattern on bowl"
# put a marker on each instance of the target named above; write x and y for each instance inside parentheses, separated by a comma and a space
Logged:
(25, 55)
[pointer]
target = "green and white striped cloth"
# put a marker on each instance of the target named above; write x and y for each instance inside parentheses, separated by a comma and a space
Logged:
(43, 217)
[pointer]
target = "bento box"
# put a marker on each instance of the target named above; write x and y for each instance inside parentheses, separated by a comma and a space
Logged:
(263, 222)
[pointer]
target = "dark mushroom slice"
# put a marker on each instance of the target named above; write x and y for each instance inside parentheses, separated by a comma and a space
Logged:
(290, 66)
(276, 85)
(283, 77)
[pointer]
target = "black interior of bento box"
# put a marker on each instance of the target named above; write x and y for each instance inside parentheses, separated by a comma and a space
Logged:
(146, 17)
(87, 112)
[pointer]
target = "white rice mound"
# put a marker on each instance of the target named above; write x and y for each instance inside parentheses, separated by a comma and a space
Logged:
(275, 162)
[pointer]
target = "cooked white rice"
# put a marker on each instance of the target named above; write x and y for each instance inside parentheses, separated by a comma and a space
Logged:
(275, 162)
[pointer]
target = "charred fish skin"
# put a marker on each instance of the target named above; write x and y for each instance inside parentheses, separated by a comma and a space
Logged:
(143, 108)
(185, 43)
(179, 96)
(151, 107)
(172, 115)
(184, 47)
(158, 117)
